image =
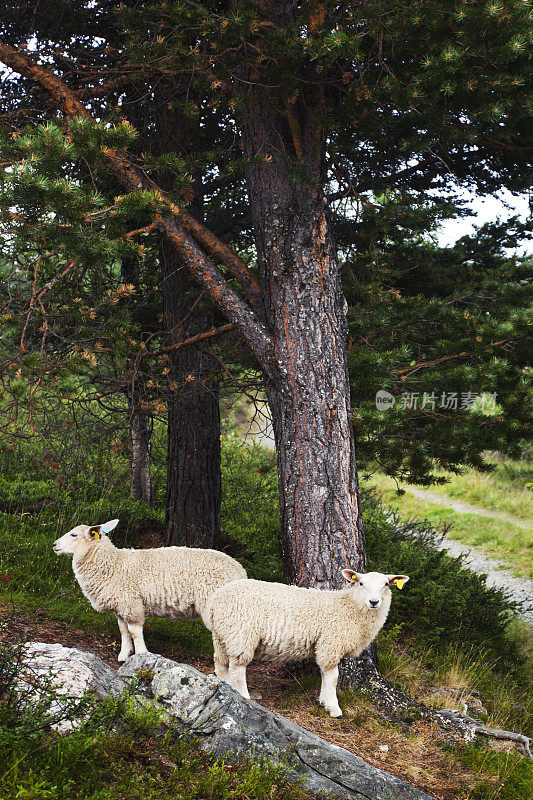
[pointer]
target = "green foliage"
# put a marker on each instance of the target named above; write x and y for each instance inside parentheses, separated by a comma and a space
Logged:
(504, 779)
(113, 751)
(427, 325)
(443, 102)
(249, 511)
(442, 604)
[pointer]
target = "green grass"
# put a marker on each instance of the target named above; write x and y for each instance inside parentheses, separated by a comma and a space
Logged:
(496, 537)
(115, 751)
(503, 490)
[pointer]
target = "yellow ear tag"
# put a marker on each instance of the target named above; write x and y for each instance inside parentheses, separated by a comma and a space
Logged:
(399, 583)
(97, 535)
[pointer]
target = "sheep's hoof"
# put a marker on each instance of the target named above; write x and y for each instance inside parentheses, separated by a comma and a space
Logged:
(335, 714)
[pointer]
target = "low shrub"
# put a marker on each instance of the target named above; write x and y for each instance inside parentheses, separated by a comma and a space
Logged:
(114, 751)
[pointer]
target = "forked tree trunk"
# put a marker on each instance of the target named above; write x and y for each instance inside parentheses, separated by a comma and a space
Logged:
(193, 455)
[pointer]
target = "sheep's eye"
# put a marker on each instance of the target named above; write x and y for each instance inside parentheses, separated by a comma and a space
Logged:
(361, 584)
(73, 535)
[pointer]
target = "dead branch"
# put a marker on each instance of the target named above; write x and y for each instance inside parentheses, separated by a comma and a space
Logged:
(199, 337)
(139, 231)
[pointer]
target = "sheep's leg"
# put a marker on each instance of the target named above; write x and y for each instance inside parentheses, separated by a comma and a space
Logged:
(221, 659)
(136, 633)
(126, 645)
(237, 677)
(328, 691)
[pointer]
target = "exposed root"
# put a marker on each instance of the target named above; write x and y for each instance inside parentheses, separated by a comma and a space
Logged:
(362, 674)
(470, 729)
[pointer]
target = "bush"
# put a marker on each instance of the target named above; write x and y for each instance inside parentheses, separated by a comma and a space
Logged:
(442, 604)
(250, 510)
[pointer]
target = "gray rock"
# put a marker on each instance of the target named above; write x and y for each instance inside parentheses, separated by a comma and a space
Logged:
(225, 723)
(68, 672)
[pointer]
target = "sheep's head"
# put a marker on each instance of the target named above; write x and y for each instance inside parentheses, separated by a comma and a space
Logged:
(373, 586)
(82, 537)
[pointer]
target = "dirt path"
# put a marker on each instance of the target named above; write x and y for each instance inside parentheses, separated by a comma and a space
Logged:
(466, 508)
(519, 590)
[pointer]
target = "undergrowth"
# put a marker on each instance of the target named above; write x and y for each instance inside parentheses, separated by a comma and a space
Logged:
(442, 605)
(113, 751)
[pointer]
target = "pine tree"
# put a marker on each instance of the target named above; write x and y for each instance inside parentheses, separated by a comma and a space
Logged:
(329, 105)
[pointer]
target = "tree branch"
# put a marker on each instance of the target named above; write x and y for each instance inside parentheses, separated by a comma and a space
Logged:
(177, 225)
(428, 364)
(131, 177)
(199, 337)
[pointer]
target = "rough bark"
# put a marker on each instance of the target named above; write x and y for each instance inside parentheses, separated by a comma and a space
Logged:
(309, 396)
(139, 422)
(193, 455)
(140, 433)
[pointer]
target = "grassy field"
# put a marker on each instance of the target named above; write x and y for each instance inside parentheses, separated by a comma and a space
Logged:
(508, 488)
(504, 491)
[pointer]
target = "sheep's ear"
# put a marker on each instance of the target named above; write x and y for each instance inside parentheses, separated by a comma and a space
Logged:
(350, 575)
(95, 531)
(397, 580)
(107, 527)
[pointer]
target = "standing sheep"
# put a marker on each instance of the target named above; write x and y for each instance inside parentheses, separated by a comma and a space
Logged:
(170, 582)
(274, 622)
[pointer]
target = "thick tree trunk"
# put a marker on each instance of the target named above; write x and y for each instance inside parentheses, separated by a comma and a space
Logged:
(309, 392)
(194, 492)
(321, 523)
(193, 455)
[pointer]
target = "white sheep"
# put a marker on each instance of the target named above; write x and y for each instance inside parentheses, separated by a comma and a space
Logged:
(170, 582)
(274, 622)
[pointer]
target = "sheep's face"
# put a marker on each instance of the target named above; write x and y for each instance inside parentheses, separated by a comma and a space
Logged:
(81, 537)
(372, 587)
